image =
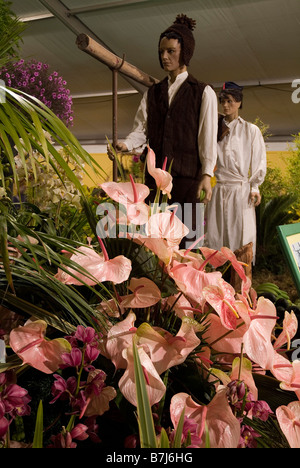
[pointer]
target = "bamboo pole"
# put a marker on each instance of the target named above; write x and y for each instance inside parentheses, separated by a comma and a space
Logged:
(96, 50)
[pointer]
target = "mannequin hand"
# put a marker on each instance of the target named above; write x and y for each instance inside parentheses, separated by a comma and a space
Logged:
(255, 198)
(205, 185)
(120, 147)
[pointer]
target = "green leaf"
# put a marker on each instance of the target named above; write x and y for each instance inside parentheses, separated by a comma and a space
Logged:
(178, 434)
(207, 440)
(145, 419)
(164, 441)
(4, 251)
(39, 427)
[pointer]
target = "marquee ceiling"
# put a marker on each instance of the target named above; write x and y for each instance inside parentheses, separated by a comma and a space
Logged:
(252, 42)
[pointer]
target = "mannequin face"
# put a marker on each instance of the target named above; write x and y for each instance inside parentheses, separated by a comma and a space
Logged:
(230, 107)
(170, 54)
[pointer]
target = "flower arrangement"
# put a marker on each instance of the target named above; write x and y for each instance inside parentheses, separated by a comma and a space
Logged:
(47, 186)
(172, 342)
(36, 79)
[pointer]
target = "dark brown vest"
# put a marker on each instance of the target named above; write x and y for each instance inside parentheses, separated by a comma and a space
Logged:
(173, 131)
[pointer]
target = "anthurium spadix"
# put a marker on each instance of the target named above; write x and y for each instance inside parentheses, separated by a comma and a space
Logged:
(30, 344)
(221, 297)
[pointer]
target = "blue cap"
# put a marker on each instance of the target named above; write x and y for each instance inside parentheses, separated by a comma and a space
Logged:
(232, 85)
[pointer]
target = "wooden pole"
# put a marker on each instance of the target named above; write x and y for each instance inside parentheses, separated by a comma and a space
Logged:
(96, 50)
(115, 121)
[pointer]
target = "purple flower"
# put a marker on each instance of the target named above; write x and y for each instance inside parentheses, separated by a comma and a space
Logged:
(13, 397)
(65, 439)
(97, 383)
(63, 389)
(261, 410)
(91, 354)
(23, 75)
(4, 425)
(72, 359)
(13, 402)
(85, 334)
(248, 437)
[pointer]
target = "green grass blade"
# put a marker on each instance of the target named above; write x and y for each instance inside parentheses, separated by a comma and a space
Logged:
(39, 427)
(4, 251)
(178, 434)
(164, 441)
(145, 419)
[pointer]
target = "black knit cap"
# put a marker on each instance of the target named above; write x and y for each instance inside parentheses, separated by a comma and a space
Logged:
(183, 26)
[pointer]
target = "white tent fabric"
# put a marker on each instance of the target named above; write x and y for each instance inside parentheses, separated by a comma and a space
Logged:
(252, 42)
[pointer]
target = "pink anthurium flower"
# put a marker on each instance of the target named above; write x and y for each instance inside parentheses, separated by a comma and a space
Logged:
(126, 192)
(120, 337)
(221, 298)
(98, 266)
(289, 421)
(155, 386)
(223, 256)
(29, 343)
(293, 374)
(187, 256)
(160, 247)
(166, 225)
(221, 339)
(257, 339)
(191, 281)
(290, 327)
(132, 196)
(192, 411)
(181, 306)
(223, 427)
(283, 370)
(203, 357)
(145, 294)
(165, 349)
(163, 179)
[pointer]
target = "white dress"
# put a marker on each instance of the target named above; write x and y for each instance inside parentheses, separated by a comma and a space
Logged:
(241, 169)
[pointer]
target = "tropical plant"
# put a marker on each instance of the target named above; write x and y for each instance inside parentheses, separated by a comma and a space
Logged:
(30, 237)
(11, 30)
(270, 214)
(280, 205)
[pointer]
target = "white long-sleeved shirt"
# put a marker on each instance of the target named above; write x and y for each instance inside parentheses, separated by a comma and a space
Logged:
(241, 169)
(208, 125)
